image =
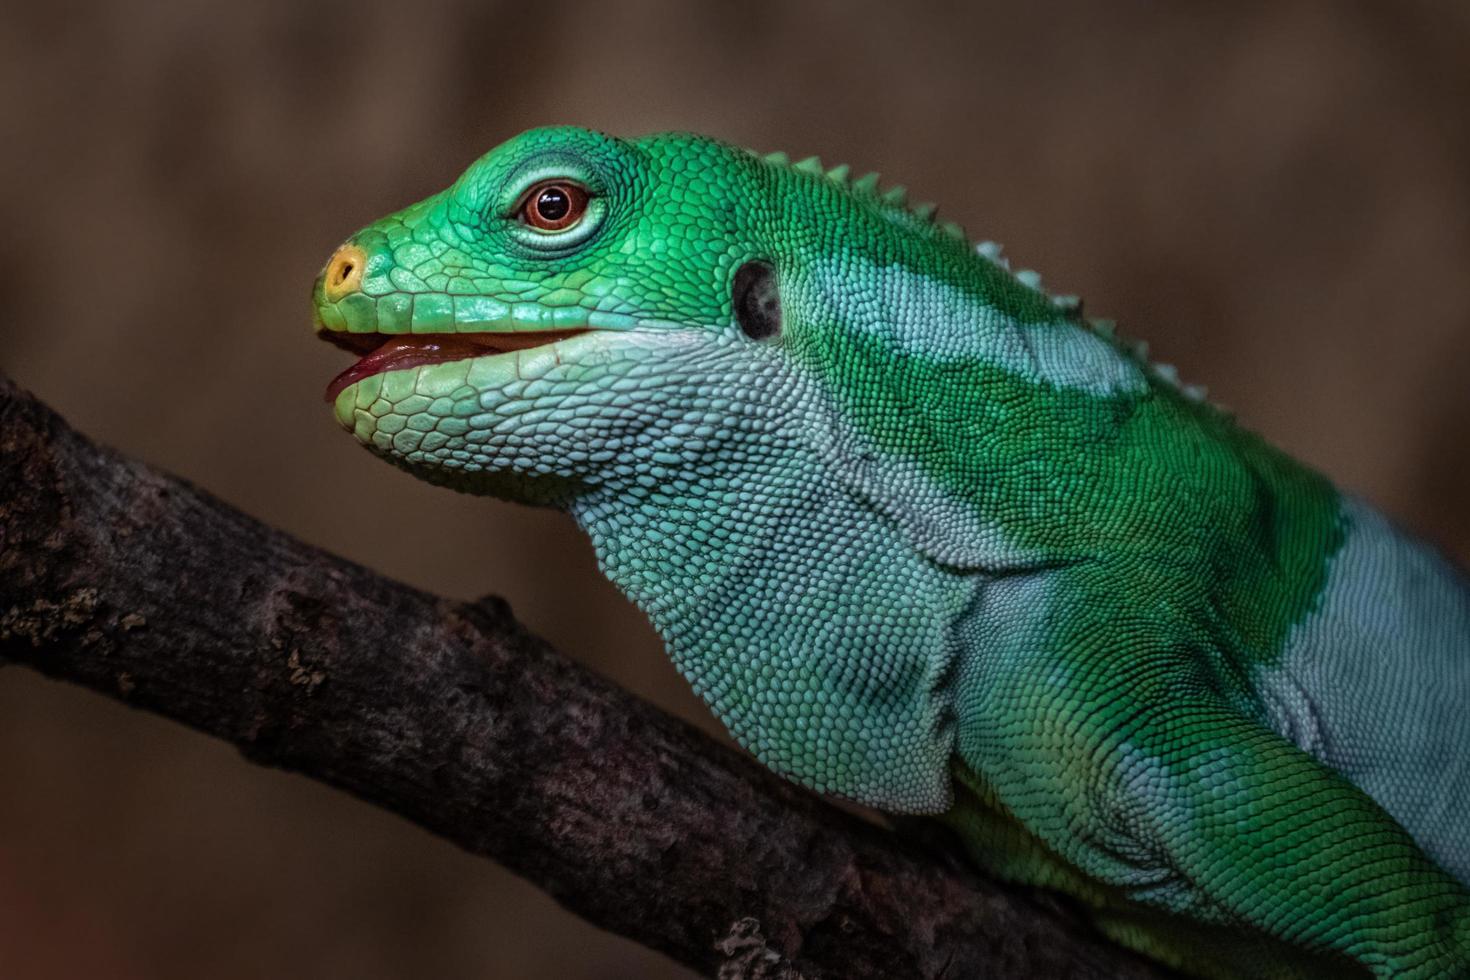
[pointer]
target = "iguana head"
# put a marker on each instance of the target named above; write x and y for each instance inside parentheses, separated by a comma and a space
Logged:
(519, 332)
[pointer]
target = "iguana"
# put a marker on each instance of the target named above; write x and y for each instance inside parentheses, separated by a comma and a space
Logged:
(926, 538)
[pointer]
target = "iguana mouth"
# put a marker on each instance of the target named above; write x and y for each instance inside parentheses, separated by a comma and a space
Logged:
(393, 352)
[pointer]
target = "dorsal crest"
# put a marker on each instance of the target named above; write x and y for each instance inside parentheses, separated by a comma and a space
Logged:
(893, 200)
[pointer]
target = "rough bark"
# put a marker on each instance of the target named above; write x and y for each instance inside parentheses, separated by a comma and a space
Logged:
(131, 582)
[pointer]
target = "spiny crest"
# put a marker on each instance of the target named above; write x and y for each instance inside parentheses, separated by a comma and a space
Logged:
(894, 199)
(1071, 308)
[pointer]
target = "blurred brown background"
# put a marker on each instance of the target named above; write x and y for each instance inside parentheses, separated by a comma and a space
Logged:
(1274, 194)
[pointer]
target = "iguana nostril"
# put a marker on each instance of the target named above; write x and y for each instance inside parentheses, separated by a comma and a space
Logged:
(343, 274)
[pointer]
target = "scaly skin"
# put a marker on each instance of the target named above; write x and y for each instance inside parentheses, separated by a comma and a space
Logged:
(934, 543)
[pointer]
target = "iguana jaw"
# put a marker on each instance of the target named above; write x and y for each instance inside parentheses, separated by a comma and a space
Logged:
(393, 352)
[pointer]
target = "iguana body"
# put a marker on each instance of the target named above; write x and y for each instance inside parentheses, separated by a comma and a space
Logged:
(924, 538)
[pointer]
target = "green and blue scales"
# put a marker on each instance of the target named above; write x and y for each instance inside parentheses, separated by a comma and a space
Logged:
(933, 542)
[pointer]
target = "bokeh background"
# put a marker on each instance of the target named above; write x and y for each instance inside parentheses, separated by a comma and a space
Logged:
(1275, 194)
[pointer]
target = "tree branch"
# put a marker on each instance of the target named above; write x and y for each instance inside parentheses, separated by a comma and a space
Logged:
(133, 583)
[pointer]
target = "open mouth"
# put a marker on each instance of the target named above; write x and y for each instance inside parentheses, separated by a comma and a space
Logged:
(393, 352)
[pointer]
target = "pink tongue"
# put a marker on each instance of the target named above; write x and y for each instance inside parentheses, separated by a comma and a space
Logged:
(404, 353)
(413, 350)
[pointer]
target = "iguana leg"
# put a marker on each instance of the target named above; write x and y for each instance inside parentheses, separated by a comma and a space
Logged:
(997, 842)
(1139, 773)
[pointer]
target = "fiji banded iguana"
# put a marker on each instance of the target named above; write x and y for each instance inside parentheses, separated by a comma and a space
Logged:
(925, 538)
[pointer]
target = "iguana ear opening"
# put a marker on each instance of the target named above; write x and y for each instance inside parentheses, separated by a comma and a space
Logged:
(756, 300)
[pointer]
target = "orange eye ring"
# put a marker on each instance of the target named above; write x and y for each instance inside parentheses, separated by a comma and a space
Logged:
(553, 205)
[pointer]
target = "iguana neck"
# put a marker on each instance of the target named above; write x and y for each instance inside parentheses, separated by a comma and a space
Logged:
(730, 572)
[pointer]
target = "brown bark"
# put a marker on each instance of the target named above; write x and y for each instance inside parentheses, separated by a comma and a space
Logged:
(133, 583)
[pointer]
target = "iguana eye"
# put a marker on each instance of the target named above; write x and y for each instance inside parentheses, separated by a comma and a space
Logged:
(553, 205)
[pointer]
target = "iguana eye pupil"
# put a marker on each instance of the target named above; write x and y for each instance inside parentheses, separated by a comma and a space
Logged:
(553, 205)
